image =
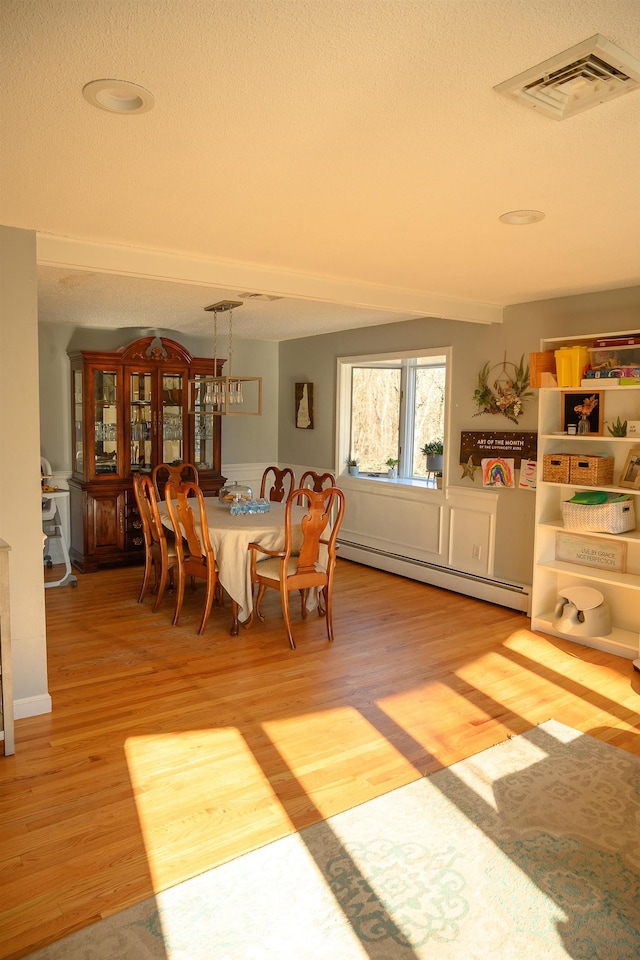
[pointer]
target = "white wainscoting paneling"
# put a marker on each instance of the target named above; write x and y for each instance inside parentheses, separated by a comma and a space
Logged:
(399, 525)
(472, 524)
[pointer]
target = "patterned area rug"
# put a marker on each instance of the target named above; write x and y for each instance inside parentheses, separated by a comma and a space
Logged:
(527, 851)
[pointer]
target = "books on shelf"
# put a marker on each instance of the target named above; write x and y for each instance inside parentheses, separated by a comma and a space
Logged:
(590, 382)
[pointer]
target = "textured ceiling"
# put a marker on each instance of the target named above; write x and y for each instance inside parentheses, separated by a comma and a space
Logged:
(349, 155)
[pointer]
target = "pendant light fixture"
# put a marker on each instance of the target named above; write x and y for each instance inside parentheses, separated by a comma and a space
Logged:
(228, 395)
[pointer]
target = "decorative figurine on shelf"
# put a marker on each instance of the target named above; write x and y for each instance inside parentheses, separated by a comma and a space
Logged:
(585, 409)
(509, 390)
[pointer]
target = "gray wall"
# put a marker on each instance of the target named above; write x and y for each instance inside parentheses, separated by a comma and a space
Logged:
(314, 359)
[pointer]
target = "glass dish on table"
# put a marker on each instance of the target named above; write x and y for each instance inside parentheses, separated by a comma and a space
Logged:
(233, 491)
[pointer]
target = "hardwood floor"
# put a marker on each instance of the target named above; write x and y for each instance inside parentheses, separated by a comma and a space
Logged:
(168, 753)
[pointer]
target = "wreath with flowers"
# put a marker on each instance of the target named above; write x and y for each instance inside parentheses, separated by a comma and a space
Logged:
(508, 392)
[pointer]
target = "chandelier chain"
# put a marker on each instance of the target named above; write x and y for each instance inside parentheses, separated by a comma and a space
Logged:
(215, 341)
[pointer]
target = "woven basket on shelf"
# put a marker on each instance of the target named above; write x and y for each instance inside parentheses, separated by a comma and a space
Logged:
(556, 467)
(591, 471)
(617, 516)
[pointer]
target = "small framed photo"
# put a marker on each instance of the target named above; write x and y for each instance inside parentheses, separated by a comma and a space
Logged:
(630, 476)
(304, 406)
(579, 403)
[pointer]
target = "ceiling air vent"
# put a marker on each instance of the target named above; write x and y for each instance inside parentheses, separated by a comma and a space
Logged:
(592, 72)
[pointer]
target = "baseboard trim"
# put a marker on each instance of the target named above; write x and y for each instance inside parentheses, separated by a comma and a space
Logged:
(505, 594)
(32, 706)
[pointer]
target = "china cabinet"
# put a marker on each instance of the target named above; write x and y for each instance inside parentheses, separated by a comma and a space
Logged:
(553, 571)
(129, 413)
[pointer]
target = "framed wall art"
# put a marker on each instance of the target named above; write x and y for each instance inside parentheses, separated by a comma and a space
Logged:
(582, 405)
(603, 554)
(509, 443)
(304, 406)
(630, 476)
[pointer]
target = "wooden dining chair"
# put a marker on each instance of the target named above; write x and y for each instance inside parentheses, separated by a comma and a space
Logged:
(178, 472)
(277, 484)
(317, 481)
(159, 547)
(312, 564)
(195, 555)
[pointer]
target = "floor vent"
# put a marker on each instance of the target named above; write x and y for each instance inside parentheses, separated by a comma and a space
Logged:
(590, 73)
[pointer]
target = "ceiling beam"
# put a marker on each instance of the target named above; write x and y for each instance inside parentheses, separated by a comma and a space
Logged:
(119, 259)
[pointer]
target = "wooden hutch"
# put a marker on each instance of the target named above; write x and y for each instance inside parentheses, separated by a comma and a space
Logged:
(129, 413)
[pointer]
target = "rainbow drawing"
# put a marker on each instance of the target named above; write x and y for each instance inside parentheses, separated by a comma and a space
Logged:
(497, 472)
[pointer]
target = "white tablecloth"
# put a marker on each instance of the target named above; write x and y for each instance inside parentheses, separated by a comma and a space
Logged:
(230, 538)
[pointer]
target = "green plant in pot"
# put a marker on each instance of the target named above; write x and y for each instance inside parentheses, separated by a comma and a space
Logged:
(618, 428)
(352, 465)
(434, 451)
(392, 464)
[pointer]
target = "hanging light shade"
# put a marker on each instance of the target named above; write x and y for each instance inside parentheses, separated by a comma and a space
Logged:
(229, 395)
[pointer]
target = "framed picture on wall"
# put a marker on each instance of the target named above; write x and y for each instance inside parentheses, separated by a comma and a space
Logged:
(579, 404)
(304, 406)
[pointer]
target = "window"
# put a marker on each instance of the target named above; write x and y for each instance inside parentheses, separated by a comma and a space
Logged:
(389, 407)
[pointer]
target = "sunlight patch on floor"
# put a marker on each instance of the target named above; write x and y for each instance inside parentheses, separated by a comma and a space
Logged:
(307, 744)
(433, 717)
(191, 791)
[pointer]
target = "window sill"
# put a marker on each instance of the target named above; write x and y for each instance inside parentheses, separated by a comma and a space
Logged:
(392, 483)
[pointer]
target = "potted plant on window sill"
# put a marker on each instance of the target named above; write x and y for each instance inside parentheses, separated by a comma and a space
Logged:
(392, 464)
(352, 466)
(434, 451)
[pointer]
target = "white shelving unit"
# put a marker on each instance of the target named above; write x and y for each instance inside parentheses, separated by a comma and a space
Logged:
(550, 575)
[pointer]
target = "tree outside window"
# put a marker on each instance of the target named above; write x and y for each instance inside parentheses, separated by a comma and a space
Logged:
(390, 408)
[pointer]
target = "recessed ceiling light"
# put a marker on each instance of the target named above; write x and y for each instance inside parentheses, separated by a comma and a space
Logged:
(518, 217)
(118, 96)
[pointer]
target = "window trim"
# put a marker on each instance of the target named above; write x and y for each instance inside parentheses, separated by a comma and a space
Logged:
(343, 410)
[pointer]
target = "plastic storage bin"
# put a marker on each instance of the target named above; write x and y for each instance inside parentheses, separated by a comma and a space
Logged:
(571, 363)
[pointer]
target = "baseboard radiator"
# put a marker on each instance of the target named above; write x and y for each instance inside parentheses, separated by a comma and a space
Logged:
(513, 595)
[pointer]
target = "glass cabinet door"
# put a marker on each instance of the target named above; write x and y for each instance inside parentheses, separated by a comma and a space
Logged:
(105, 384)
(203, 422)
(173, 438)
(78, 422)
(141, 420)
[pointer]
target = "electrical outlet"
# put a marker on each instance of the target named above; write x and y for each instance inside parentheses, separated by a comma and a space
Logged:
(475, 551)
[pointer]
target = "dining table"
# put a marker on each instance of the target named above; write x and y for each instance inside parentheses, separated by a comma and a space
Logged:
(231, 535)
